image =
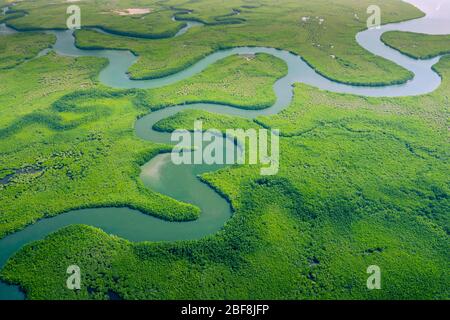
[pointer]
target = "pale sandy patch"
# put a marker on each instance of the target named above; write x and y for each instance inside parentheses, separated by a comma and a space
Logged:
(248, 56)
(152, 169)
(133, 11)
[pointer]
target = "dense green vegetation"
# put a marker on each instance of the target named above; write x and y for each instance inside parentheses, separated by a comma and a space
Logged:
(239, 80)
(71, 140)
(113, 17)
(362, 180)
(16, 48)
(104, 14)
(329, 46)
(417, 45)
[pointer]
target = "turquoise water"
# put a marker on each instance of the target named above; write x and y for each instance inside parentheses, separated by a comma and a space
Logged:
(181, 182)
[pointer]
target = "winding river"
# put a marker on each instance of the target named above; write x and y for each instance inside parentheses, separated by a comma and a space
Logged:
(181, 182)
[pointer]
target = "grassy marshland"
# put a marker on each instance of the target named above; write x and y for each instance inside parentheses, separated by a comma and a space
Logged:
(417, 45)
(226, 82)
(329, 46)
(16, 48)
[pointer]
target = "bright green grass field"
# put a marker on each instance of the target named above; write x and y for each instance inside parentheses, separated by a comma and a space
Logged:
(417, 45)
(362, 181)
